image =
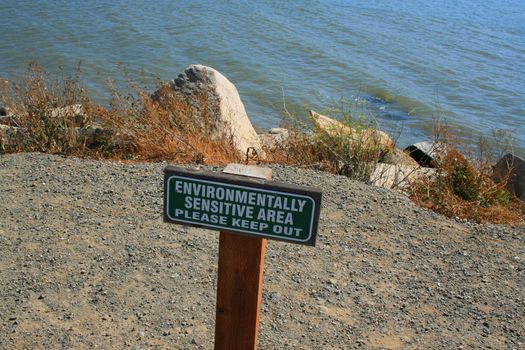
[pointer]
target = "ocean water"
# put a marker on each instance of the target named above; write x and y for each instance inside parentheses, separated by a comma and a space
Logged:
(408, 63)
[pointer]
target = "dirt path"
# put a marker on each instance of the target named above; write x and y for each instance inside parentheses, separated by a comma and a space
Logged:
(86, 262)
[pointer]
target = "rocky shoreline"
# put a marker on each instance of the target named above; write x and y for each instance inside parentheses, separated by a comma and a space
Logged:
(215, 102)
(86, 262)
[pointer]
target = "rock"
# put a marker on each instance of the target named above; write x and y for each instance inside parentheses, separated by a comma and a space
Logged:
(398, 176)
(5, 120)
(75, 112)
(326, 123)
(9, 119)
(6, 116)
(9, 135)
(94, 136)
(372, 137)
(91, 136)
(513, 167)
(399, 156)
(268, 141)
(197, 81)
(426, 153)
(279, 131)
(274, 137)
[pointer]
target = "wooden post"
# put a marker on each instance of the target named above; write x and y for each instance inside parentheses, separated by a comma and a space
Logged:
(240, 280)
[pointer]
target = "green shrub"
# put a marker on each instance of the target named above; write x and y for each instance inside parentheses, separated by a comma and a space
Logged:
(342, 144)
(461, 189)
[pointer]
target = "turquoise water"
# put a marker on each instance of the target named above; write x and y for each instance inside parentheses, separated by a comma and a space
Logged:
(409, 62)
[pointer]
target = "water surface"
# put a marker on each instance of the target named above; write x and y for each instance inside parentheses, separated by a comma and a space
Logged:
(409, 62)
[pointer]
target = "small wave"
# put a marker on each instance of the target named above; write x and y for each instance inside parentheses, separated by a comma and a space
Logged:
(401, 104)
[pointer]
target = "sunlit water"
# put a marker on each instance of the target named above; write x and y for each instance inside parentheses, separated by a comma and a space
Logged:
(409, 62)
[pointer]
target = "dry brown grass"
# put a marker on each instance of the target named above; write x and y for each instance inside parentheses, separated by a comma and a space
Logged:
(39, 122)
(136, 126)
(167, 128)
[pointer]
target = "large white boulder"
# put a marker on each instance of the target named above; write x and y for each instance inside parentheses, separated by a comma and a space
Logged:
(399, 176)
(370, 137)
(198, 81)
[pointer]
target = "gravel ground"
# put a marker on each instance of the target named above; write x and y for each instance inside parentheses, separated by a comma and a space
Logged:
(86, 262)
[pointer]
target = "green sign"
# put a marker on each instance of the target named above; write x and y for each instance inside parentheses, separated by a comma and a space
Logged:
(233, 203)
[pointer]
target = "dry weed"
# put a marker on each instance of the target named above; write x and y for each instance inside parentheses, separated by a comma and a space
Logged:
(134, 126)
(45, 114)
(167, 127)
